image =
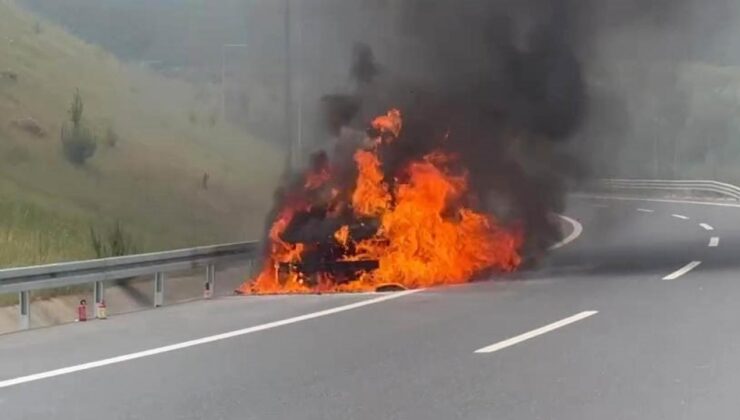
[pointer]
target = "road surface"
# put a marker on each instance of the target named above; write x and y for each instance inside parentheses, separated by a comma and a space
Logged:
(638, 318)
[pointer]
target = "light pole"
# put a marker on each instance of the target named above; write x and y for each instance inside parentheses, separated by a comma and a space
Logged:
(292, 153)
(298, 78)
(223, 75)
(293, 114)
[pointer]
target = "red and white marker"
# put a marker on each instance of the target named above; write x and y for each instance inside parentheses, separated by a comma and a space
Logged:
(82, 311)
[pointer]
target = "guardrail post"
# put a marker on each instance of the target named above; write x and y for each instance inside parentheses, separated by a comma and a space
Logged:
(159, 289)
(250, 267)
(24, 310)
(210, 279)
(99, 292)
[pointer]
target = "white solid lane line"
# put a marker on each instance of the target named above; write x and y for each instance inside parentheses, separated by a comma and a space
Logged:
(577, 230)
(680, 216)
(534, 333)
(646, 210)
(205, 340)
(706, 226)
(683, 270)
(713, 242)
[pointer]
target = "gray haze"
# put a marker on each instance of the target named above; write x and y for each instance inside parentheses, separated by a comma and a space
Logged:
(616, 41)
(626, 87)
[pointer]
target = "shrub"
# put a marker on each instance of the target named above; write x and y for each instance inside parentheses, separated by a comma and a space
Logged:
(76, 109)
(114, 243)
(78, 141)
(78, 144)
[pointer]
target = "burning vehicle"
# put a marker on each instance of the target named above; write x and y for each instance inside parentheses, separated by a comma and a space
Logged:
(458, 176)
(354, 229)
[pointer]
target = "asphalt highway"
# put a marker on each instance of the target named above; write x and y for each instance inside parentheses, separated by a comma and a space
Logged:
(637, 318)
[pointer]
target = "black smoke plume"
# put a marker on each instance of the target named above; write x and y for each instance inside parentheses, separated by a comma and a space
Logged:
(492, 89)
(499, 83)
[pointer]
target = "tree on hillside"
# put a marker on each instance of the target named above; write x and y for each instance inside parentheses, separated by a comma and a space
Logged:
(78, 141)
(75, 110)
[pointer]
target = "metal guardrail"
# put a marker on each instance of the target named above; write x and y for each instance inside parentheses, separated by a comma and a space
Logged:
(716, 187)
(25, 279)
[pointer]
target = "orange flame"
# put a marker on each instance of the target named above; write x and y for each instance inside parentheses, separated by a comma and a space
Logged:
(371, 196)
(316, 179)
(280, 251)
(426, 245)
(390, 123)
(427, 236)
(342, 235)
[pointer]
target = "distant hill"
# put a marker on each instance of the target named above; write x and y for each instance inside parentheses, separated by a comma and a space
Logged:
(176, 32)
(157, 139)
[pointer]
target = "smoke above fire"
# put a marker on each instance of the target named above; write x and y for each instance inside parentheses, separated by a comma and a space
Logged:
(462, 172)
(501, 81)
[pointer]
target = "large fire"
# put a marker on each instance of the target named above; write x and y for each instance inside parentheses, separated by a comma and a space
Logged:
(415, 228)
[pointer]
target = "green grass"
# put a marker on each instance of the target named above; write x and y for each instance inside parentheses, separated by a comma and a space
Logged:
(23, 235)
(150, 180)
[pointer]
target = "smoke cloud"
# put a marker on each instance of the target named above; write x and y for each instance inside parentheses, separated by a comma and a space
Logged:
(501, 84)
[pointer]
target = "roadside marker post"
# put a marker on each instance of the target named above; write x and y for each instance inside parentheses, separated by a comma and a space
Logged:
(82, 311)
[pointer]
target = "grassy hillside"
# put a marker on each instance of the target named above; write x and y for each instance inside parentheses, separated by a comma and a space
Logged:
(169, 134)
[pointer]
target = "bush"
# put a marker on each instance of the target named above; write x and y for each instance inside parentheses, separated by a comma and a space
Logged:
(78, 141)
(115, 243)
(76, 109)
(78, 144)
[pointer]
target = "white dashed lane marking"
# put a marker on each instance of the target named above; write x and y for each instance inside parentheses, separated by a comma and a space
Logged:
(683, 270)
(706, 226)
(713, 242)
(646, 210)
(534, 333)
(680, 216)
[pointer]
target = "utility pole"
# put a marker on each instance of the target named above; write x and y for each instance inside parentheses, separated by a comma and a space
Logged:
(298, 77)
(293, 84)
(292, 153)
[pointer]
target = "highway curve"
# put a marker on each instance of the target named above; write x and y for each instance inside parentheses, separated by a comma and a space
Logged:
(635, 319)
